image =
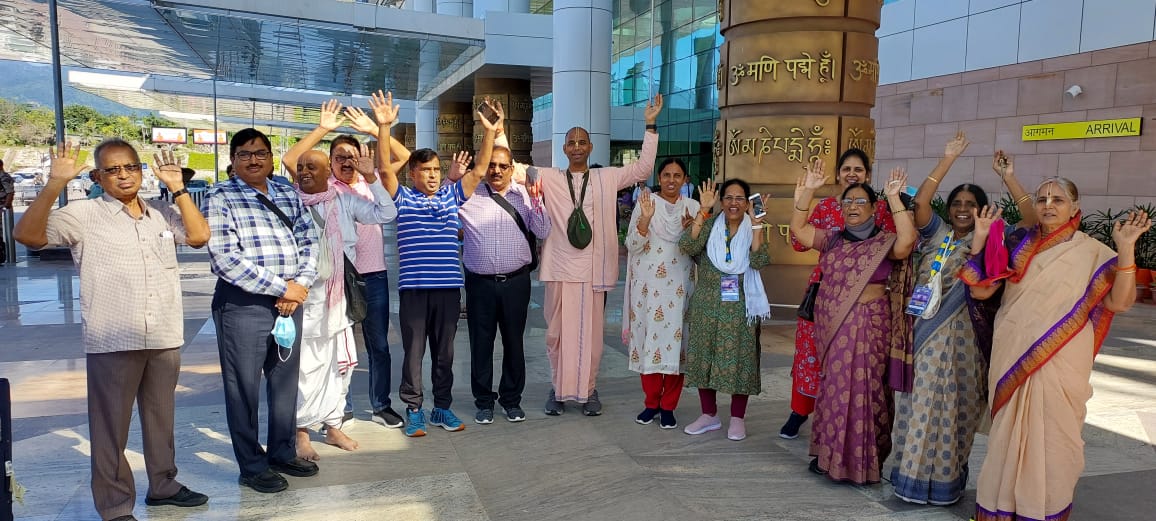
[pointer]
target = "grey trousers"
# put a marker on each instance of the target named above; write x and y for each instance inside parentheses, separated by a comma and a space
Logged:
(115, 381)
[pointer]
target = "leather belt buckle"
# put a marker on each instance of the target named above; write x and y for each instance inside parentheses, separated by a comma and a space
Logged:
(501, 278)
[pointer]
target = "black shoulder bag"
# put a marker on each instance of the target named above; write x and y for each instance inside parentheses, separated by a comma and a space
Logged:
(807, 308)
(356, 307)
(578, 226)
(531, 239)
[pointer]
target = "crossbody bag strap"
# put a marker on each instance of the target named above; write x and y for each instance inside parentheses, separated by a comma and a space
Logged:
(269, 204)
(531, 239)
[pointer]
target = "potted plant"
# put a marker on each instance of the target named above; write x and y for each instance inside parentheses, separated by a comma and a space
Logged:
(1146, 258)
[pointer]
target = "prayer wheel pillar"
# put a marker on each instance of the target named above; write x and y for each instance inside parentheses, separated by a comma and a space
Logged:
(514, 96)
(406, 134)
(796, 83)
(453, 133)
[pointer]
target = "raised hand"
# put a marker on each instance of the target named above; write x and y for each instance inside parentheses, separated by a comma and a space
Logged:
(815, 177)
(360, 121)
(363, 162)
(652, 109)
(646, 204)
(1002, 164)
(495, 106)
(687, 218)
(166, 169)
(708, 194)
(896, 181)
(957, 145)
(331, 115)
(459, 163)
(384, 110)
(983, 220)
(65, 162)
(535, 189)
(1127, 231)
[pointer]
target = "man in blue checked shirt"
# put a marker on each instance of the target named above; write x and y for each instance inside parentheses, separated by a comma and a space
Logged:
(263, 248)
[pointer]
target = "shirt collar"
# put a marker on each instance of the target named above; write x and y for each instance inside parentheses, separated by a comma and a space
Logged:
(113, 205)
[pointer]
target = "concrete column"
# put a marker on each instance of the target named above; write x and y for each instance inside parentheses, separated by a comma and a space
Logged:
(427, 114)
(582, 75)
(456, 7)
(426, 126)
(508, 6)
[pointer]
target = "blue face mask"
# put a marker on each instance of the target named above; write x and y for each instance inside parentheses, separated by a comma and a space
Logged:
(285, 333)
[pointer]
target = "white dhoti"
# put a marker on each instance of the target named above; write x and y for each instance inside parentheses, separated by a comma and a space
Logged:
(326, 370)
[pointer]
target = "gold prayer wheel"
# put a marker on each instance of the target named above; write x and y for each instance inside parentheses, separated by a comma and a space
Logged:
(796, 83)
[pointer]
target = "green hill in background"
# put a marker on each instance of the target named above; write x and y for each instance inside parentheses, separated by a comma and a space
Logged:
(24, 82)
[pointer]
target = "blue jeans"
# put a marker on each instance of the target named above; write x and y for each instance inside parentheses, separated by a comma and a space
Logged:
(375, 330)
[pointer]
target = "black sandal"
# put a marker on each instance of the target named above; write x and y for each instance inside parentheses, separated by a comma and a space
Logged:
(814, 467)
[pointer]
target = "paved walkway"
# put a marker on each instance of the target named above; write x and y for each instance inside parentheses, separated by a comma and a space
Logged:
(572, 467)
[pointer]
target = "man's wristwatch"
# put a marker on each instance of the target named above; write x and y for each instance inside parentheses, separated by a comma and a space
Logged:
(178, 193)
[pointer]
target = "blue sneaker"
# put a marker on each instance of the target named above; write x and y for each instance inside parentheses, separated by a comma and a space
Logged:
(415, 427)
(445, 419)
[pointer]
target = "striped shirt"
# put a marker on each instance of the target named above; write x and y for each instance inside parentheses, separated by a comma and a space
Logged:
(427, 238)
(133, 264)
(249, 246)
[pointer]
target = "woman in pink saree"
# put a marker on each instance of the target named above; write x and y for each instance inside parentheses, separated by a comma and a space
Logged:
(1058, 298)
(862, 336)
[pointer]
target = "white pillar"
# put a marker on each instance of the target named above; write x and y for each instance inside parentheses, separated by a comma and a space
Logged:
(582, 75)
(426, 115)
(456, 7)
(508, 6)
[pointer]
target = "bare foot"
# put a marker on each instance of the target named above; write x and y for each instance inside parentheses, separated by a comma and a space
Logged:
(335, 437)
(305, 446)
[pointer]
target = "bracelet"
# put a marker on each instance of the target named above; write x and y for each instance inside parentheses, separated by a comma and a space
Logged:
(705, 214)
(178, 193)
(1021, 200)
(932, 178)
(802, 209)
(1132, 270)
(897, 212)
(1126, 268)
(651, 126)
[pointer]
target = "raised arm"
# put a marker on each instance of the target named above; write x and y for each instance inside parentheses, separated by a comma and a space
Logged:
(485, 150)
(708, 195)
(361, 122)
(641, 169)
(385, 113)
(330, 120)
(32, 228)
(805, 188)
(1005, 167)
(927, 188)
(904, 219)
(1125, 233)
(196, 227)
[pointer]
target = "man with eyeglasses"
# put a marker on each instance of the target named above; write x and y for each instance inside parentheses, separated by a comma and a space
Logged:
(350, 162)
(580, 260)
(264, 252)
(130, 295)
(502, 223)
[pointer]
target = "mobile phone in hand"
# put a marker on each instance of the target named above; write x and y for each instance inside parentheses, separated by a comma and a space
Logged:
(488, 112)
(757, 205)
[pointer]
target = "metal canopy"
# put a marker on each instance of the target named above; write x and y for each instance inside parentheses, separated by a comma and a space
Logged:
(278, 52)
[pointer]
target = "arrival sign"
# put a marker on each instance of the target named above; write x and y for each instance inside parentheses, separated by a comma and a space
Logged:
(1083, 129)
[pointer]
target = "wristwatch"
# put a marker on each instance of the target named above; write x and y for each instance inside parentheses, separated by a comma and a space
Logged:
(178, 193)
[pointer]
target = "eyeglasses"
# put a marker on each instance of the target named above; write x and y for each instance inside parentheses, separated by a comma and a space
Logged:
(260, 155)
(499, 166)
(134, 168)
(860, 201)
(733, 199)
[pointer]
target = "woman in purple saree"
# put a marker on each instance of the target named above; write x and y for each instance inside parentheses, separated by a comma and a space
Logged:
(863, 337)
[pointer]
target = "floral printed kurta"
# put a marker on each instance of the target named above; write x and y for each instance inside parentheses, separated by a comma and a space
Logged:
(658, 288)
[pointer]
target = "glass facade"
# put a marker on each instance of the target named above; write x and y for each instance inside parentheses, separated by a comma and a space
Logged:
(669, 46)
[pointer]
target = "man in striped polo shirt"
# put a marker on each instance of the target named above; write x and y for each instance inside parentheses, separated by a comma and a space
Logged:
(429, 270)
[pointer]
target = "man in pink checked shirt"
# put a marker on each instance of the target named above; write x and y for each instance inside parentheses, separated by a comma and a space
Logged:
(501, 225)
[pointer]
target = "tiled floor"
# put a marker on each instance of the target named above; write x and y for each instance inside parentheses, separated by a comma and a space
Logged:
(572, 467)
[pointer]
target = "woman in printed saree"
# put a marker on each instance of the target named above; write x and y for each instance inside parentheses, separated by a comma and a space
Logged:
(863, 337)
(853, 167)
(1060, 291)
(728, 302)
(658, 287)
(936, 422)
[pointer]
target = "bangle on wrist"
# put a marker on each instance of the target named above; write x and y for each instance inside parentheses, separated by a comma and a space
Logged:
(897, 212)
(1023, 198)
(705, 214)
(933, 179)
(801, 209)
(1128, 267)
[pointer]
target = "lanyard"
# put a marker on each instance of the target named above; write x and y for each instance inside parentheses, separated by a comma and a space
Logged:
(945, 250)
(727, 236)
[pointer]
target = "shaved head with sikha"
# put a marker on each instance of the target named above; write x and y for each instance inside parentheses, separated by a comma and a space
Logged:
(577, 149)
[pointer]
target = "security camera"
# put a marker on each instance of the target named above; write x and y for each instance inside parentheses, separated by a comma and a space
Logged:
(1074, 90)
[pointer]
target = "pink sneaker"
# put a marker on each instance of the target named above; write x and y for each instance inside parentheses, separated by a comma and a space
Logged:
(737, 430)
(703, 424)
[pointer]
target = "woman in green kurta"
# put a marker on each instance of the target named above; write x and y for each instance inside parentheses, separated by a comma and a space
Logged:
(726, 306)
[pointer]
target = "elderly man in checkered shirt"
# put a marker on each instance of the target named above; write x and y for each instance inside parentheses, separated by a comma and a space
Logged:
(125, 247)
(263, 249)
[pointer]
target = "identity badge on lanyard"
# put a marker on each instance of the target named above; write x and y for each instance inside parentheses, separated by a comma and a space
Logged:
(730, 288)
(925, 299)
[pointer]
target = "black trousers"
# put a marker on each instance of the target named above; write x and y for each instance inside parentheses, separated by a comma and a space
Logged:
(244, 322)
(428, 314)
(497, 305)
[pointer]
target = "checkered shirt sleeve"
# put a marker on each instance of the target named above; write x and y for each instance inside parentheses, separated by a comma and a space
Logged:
(250, 247)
